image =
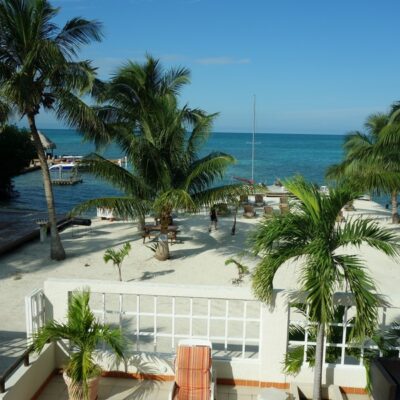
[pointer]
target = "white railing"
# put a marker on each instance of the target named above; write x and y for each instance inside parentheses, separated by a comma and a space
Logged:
(34, 312)
(249, 339)
(349, 352)
(156, 323)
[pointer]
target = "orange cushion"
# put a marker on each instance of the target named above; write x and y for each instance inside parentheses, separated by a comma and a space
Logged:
(192, 394)
(193, 366)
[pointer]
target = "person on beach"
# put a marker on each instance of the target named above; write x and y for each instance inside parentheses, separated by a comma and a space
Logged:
(213, 218)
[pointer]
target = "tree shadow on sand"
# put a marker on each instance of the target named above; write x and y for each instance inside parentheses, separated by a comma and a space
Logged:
(147, 275)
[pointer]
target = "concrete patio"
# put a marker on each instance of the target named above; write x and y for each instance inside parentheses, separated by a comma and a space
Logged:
(129, 389)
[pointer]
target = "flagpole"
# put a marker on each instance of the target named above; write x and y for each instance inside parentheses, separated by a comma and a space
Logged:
(254, 134)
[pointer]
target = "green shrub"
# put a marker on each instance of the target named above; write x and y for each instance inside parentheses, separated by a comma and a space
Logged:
(16, 153)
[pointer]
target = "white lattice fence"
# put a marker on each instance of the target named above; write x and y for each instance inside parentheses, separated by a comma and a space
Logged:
(155, 323)
(339, 347)
(34, 312)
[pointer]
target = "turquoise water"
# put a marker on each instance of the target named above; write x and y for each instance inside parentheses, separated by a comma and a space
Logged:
(276, 155)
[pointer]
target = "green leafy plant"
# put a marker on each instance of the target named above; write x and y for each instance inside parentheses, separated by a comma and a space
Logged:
(84, 334)
(242, 270)
(311, 237)
(295, 355)
(387, 342)
(372, 161)
(117, 257)
(14, 161)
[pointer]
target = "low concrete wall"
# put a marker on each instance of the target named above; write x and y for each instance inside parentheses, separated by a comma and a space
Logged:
(331, 392)
(26, 381)
(273, 333)
(343, 375)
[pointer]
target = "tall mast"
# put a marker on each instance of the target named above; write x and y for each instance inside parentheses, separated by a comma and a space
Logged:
(254, 134)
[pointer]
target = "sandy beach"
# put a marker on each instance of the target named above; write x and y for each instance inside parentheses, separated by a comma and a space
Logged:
(197, 258)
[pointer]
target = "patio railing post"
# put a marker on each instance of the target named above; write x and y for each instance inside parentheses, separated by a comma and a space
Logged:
(273, 339)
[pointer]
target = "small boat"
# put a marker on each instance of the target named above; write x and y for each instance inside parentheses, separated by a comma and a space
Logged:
(63, 167)
(67, 174)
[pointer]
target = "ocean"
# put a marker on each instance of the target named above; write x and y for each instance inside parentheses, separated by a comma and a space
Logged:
(276, 156)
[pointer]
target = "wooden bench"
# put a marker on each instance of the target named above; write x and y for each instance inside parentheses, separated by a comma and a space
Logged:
(149, 229)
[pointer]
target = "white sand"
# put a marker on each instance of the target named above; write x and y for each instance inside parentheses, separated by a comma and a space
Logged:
(198, 259)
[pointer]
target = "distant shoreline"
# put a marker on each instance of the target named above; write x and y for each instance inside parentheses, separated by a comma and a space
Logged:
(233, 132)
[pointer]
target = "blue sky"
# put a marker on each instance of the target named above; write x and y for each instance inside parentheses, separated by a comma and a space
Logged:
(315, 66)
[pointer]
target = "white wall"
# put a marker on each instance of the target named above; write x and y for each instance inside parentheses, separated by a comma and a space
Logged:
(26, 381)
(273, 332)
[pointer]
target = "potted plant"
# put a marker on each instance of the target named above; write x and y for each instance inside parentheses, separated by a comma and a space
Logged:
(84, 334)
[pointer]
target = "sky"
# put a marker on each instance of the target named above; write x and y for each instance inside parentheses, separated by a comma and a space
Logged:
(314, 66)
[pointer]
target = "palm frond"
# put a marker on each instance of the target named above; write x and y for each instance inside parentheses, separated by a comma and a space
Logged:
(76, 32)
(363, 230)
(124, 207)
(118, 176)
(175, 198)
(202, 173)
(363, 290)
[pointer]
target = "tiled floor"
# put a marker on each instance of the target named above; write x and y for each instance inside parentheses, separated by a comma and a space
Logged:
(129, 389)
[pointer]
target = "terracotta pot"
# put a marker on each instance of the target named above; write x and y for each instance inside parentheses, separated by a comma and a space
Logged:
(75, 392)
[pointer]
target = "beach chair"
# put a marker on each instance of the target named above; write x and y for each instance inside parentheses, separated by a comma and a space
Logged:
(284, 208)
(244, 199)
(194, 377)
(249, 211)
(340, 217)
(268, 211)
(283, 199)
(349, 206)
(259, 200)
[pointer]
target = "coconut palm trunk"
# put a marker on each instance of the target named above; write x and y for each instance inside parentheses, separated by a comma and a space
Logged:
(319, 351)
(233, 231)
(395, 214)
(162, 251)
(57, 251)
(141, 222)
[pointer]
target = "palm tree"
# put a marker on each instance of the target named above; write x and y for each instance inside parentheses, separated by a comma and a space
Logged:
(38, 71)
(312, 237)
(372, 160)
(162, 143)
(117, 257)
(84, 334)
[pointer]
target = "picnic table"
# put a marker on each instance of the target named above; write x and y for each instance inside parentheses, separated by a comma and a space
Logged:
(150, 229)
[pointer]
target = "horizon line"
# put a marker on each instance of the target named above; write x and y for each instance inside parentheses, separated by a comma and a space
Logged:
(234, 132)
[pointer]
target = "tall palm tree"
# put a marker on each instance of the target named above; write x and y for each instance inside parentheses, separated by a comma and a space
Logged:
(38, 71)
(162, 143)
(311, 237)
(372, 161)
(169, 174)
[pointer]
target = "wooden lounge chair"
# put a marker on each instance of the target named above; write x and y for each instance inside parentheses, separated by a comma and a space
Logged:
(340, 217)
(284, 208)
(194, 379)
(349, 206)
(249, 211)
(268, 211)
(283, 199)
(244, 199)
(259, 200)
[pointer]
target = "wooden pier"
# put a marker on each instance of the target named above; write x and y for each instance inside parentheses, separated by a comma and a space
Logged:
(67, 181)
